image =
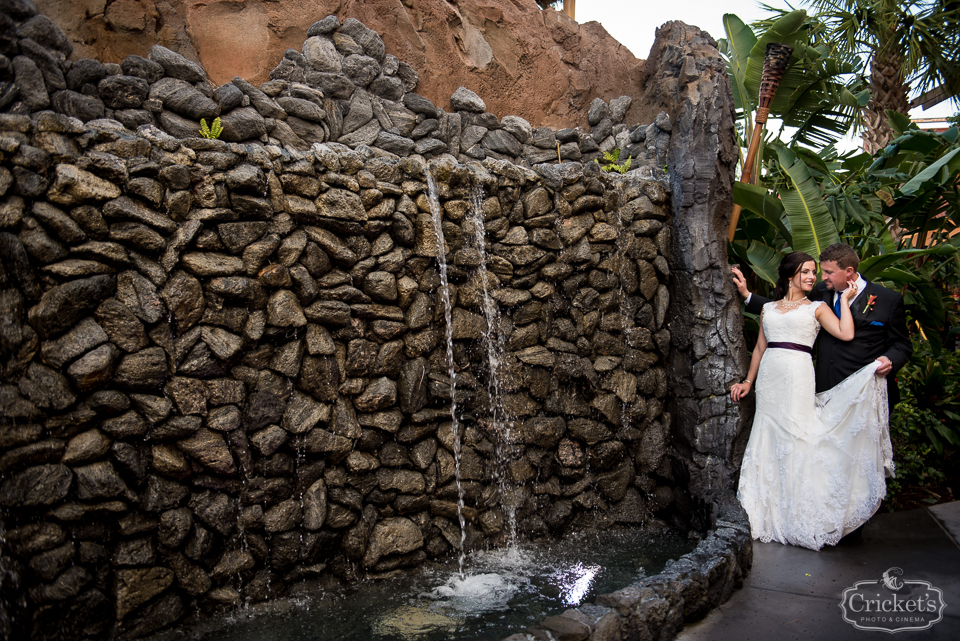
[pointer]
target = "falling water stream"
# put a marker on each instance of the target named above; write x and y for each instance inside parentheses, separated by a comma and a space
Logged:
(494, 342)
(437, 215)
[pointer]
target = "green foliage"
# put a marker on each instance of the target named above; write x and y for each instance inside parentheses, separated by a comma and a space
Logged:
(925, 424)
(818, 97)
(611, 158)
(213, 131)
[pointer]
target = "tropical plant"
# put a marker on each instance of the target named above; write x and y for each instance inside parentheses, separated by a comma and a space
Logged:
(611, 158)
(818, 97)
(213, 131)
(911, 45)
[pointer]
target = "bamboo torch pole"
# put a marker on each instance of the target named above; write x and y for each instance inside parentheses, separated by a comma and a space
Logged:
(774, 64)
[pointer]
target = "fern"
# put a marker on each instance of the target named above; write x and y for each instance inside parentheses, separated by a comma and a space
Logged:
(611, 158)
(213, 131)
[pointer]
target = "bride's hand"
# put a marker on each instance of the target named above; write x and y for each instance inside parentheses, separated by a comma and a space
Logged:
(851, 291)
(739, 390)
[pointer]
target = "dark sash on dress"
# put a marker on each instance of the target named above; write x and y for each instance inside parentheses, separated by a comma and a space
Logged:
(794, 346)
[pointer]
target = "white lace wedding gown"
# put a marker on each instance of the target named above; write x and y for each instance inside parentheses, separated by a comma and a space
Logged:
(814, 467)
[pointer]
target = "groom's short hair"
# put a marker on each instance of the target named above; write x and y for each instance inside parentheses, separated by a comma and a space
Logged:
(843, 255)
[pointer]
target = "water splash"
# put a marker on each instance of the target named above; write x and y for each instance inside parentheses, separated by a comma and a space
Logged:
(437, 216)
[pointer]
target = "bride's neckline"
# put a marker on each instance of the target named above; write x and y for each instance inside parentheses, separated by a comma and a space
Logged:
(783, 305)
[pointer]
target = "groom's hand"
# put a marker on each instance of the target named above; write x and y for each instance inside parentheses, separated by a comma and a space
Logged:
(740, 281)
(885, 366)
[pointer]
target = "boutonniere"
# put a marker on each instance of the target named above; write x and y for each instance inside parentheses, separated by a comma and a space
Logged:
(870, 303)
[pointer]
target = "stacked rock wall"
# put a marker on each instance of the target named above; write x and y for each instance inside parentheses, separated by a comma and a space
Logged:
(225, 369)
(341, 86)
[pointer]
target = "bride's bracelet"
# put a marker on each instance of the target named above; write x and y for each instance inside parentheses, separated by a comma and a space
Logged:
(747, 380)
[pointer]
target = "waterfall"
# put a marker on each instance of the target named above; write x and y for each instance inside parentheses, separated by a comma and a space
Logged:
(496, 348)
(451, 368)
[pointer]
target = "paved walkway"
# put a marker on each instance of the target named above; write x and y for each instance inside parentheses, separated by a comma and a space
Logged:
(795, 593)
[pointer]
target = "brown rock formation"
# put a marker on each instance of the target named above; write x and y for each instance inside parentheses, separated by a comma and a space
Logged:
(522, 61)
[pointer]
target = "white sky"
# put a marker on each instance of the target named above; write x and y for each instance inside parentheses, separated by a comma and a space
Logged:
(633, 23)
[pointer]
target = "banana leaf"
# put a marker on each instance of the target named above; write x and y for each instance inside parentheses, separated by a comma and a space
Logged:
(930, 173)
(764, 204)
(764, 260)
(871, 268)
(811, 224)
(740, 40)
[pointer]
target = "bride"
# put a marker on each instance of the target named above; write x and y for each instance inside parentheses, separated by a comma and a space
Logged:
(813, 469)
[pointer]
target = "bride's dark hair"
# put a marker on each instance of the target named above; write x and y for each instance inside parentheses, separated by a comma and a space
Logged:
(789, 267)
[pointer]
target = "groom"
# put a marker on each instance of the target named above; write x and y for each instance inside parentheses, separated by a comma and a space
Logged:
(879, 319)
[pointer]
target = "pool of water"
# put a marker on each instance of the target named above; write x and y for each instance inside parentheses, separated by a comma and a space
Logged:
(501, 592)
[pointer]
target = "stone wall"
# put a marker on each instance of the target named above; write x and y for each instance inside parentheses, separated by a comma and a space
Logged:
(341, 86)
(206, 401)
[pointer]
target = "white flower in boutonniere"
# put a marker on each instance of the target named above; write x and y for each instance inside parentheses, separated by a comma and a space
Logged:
(870, 303)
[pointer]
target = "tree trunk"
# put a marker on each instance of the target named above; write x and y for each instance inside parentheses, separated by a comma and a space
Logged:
(888, 91)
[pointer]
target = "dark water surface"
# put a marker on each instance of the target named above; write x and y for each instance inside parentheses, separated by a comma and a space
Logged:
(502, 592)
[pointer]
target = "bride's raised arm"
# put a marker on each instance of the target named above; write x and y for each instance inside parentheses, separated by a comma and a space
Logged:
(739, 390)
(841, 327)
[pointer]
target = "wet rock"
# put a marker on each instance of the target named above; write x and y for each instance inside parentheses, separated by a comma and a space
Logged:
(94, 369)
(146, 369)
(46, 387)
(210, 449)
(63, 306)
(101, 481)
(40, 485)
(136, 586)
(397, 535)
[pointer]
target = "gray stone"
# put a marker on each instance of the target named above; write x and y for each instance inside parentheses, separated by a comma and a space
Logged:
(228, 96)
(176, 66)
(361, 70)
(321, 54)
(302, 109)
(418, 104)
(242, 123)
(395, 144)
(140, 67)
(72, 186)
(260, 101)
(365, 37)
(465, 100)
(123, 92)
(501, 141)
(180, 97)
(324, 27)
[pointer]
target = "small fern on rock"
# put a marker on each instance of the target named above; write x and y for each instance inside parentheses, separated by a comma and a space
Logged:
(611, 158)
(213, 131)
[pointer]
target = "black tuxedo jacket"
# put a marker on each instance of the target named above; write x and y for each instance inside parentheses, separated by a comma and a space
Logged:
(879, 330)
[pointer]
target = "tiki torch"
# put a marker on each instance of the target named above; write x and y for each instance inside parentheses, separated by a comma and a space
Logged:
(774, 64)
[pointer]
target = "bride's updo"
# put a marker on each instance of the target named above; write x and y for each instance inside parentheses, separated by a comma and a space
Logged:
(789, 267)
